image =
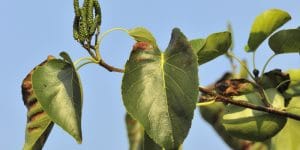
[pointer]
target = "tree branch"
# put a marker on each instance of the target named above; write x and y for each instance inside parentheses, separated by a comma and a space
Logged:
(245, 104)
(109, 67)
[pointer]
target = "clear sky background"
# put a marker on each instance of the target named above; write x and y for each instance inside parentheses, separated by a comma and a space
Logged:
(32, 30)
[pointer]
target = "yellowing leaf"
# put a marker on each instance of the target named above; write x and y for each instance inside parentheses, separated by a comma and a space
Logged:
(39, 124)
(264, 25)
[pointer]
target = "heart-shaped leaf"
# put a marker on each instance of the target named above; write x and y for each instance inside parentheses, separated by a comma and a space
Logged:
(135, 133)
(160, 90)
(141, 34)
(288, 137)
(294, 86)
(215, 45)
(264, 25)
(254, 125)
(58, 89)
(285, 41)
(197, 44)
(39, 124)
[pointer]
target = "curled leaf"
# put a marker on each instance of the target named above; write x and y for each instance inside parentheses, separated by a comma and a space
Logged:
(39, 124)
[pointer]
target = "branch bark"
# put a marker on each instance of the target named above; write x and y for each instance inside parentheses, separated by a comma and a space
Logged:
(245, 104)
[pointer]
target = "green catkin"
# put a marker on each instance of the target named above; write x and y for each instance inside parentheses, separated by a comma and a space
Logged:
(76, 8)
(97, 12)
(83, 29)
(75, 28)
(95, 25)
(90, 13)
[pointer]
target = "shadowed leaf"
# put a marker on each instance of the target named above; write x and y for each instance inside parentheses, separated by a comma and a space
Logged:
(285, 41)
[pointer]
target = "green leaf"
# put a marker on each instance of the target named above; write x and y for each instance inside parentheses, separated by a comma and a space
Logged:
(197, 44)
(288, 137)
(264, 25)
(149, 144)
(141, 34)
(135, 133)
(216, 44)
(285, 41)
(254, 125)
(58, 89)
(160, 90)
(39, 124)
(294, 86)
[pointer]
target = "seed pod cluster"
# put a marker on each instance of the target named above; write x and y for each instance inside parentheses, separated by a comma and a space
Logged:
(87, 20)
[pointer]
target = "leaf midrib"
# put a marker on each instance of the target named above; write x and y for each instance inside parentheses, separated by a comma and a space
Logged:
(162, 62)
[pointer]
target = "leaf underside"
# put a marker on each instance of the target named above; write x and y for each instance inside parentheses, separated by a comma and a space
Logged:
(58, 90)
(285, 41)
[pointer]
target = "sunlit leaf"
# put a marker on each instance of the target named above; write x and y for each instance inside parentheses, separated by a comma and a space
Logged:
(141, 34)
(294, 86)
(160, 90)
(58, 89)
(135, 133)
(39, 124)
(216, 44)
(264, 25)
(285, 41)
(254, 125)
(288, 137)
(197, 44)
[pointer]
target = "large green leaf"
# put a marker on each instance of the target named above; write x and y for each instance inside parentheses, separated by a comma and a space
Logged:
(39, 124)
(141, 34)
(285, 41)
(135, 133)
(254, 125)
(58, 90)
(160, 90)
(288, 137)
(216, 44)
(294, 86)
(264, 25)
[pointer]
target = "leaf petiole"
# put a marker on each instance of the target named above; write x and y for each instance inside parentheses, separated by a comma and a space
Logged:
(100, 38)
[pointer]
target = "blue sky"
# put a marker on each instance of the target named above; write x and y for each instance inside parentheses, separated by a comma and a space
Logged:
(32, 30)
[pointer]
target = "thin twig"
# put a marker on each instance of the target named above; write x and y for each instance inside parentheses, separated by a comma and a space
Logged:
(246, 104)
(109, 67)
